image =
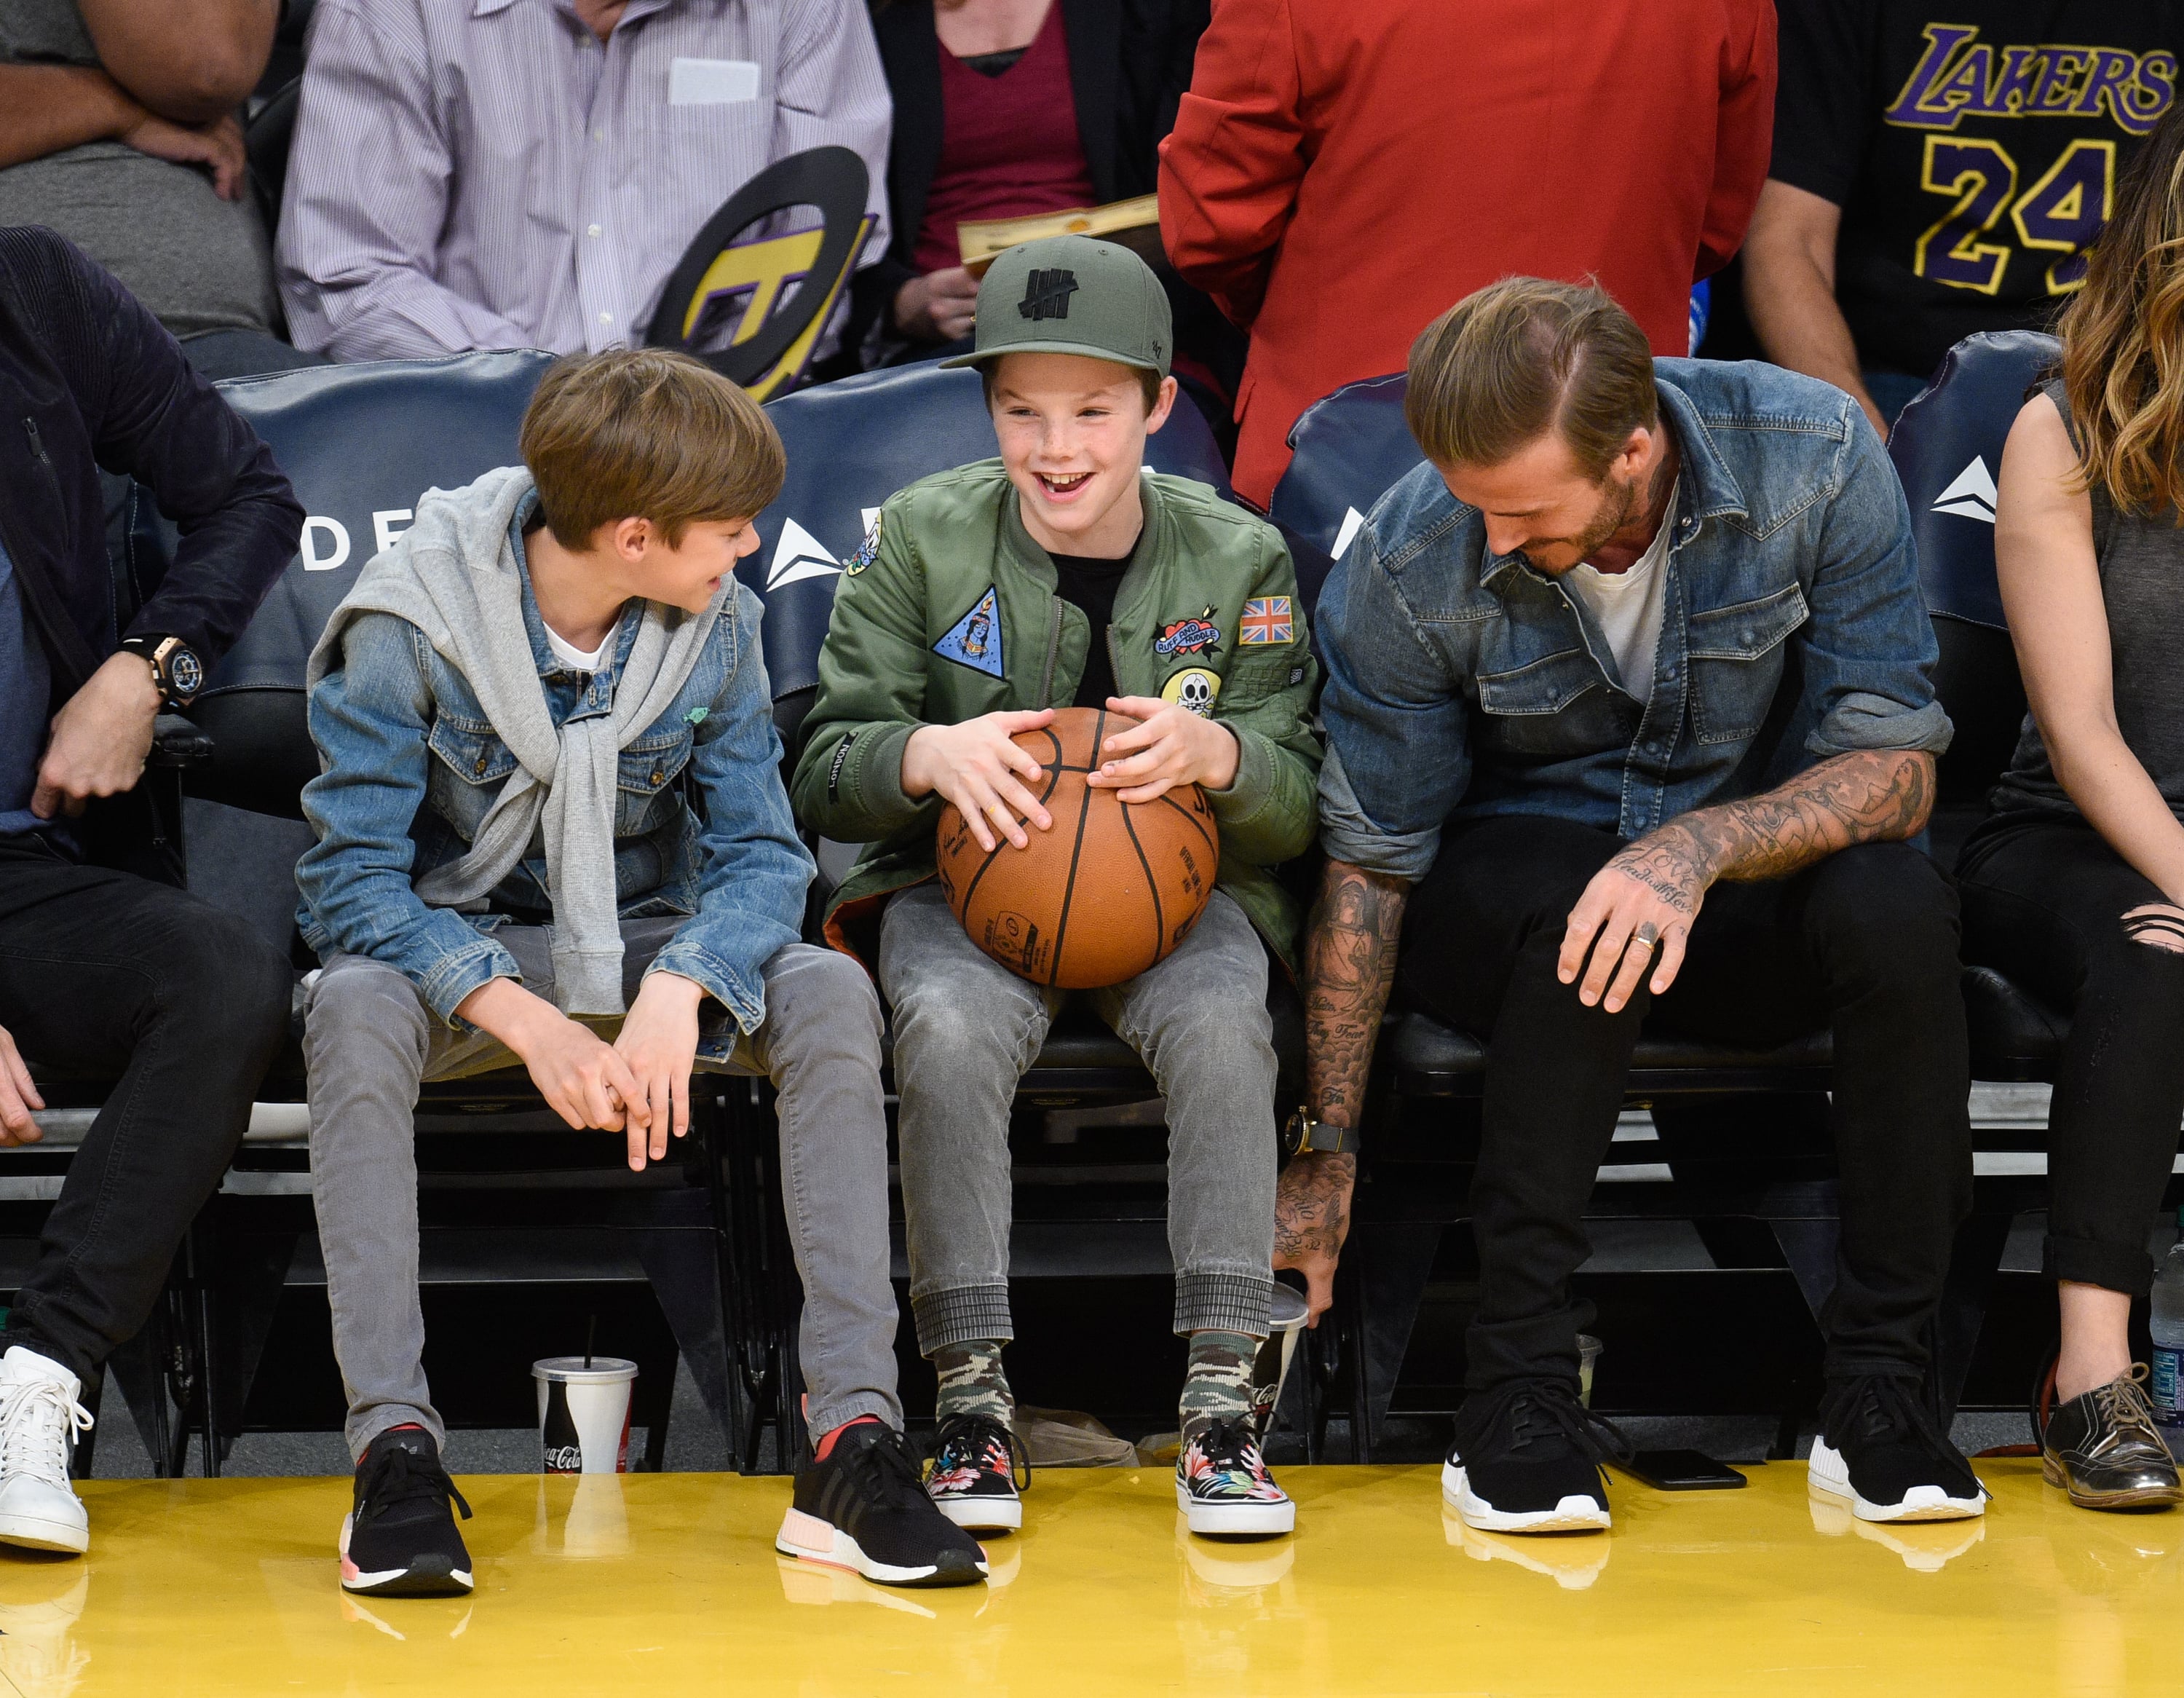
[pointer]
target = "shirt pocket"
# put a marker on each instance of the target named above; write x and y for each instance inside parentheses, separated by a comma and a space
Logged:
(1556, 706)
(1737, 662)
(646, 769)
(472, 764)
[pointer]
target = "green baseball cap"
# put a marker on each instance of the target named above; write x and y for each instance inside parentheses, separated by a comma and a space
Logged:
(1073, 294)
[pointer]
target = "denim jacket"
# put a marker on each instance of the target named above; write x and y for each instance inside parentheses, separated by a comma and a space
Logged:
(411, 764)
(1464, 683)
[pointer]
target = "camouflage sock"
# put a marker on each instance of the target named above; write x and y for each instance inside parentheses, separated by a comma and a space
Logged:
(972, 1382)
(1218, 1385)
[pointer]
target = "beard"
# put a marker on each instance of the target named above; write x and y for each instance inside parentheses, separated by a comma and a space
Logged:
(1620, 502)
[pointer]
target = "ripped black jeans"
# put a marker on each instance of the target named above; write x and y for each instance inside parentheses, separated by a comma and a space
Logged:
(2050, 904)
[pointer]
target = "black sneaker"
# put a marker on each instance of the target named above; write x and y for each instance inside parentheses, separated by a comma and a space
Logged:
(864, 1508)
(980, 1474)
(2104, 1449)
(1222, 1487)
(1880, 1447)
(1527, 1459)
(400, 1540)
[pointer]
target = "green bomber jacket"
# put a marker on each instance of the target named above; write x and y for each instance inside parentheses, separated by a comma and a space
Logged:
(950, 611)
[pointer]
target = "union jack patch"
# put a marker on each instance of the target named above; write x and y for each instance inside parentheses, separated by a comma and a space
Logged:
(1265, 622)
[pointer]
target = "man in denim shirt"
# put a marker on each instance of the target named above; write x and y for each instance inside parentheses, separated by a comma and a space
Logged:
(1628, 705)
(552, 831)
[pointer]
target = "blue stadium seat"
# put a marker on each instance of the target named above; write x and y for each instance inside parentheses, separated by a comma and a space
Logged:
(1347, 451)
(1946, 448)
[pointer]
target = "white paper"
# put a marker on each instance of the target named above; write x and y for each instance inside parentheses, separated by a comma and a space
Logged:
(712, 83)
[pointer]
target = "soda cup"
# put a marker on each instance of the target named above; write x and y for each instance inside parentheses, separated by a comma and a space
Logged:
(1270, 1368)
(583, 1414)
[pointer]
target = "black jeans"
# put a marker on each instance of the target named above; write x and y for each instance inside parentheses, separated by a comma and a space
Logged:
(1865, 942)
(2044, 902)
(105, 973)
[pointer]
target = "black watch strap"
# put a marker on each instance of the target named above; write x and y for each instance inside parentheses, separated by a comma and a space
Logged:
(176, 671)
(1305, 1136)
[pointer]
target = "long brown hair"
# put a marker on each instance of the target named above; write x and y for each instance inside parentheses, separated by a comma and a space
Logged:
(2123, 337)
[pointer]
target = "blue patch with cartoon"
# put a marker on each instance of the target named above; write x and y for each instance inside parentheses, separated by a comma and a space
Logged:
(975, 639)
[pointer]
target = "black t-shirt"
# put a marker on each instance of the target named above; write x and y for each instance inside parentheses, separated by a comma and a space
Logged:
(1091, 584)
(1974, 149)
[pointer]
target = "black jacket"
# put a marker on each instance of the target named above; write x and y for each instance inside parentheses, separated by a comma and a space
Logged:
(90, 379)
(1129, 63)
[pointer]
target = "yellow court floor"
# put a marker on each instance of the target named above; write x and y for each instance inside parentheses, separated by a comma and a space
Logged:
(668, 1584)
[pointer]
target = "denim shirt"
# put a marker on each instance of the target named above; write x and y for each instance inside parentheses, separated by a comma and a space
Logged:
(1462, 683)
(702, 826)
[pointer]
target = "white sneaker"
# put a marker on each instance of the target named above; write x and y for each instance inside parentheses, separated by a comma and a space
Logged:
(39, 1421)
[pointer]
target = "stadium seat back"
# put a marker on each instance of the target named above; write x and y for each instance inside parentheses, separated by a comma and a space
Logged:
(1946, 448)
(361, 443)
(1347, 451)
(853, 443)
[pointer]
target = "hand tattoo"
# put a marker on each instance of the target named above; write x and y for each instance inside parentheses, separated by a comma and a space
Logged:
(1312, 1207)
(1348, 968)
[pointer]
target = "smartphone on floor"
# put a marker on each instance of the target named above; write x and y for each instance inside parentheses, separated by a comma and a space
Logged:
(1681, 1471)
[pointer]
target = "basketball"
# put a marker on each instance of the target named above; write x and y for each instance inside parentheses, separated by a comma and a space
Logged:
(1104, 894)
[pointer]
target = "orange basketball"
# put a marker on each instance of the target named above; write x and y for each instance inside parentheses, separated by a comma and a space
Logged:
(1105, 893)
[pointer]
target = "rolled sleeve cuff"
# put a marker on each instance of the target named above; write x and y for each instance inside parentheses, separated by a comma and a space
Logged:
(721, 981)
(461, 972)
(874, 778)
(1252, 782)
(1863, 721)
(1347, 834)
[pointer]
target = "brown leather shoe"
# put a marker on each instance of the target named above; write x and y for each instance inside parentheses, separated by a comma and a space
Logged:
(2104, 1449)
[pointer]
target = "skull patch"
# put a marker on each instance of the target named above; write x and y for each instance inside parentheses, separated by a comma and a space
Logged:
(1193, 689)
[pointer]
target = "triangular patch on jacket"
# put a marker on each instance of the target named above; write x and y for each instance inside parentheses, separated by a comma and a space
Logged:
(975, 639)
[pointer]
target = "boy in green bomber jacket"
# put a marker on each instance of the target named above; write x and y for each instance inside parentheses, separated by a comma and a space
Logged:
(1063, 572)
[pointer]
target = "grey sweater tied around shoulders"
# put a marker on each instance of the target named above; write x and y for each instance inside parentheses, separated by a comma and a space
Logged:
(454, 574)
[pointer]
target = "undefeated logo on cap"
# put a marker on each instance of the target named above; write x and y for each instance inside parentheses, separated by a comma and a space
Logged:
(1046, 294)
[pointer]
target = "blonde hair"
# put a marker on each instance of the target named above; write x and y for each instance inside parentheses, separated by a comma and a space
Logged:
(646, 434)
(2123, 337)
(1503, 365)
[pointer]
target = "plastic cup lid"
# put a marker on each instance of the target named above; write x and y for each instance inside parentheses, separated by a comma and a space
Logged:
(1289, 1310)
(605, 1371)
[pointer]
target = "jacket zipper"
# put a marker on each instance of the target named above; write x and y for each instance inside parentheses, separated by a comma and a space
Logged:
(1114, 659)
(37, 442)
(1053, 651)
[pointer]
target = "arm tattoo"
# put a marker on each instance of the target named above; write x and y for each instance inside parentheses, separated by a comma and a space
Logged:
(1348, 968)
(1871, 796)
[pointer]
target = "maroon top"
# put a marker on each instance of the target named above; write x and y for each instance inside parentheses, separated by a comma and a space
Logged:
(1008, 145)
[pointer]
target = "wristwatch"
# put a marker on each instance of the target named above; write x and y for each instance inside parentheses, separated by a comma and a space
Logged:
(1304, 1134)
(176, 670)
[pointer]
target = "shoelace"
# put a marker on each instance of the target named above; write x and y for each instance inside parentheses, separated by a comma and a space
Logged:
(888, 1470)
(1884, 1406)
(1530, 1411)
(404, 1476)
(974, 1440)
(39, 1421)
(1228, 1447)
(2122, 1405)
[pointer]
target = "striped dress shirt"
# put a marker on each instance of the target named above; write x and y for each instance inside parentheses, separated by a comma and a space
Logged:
(488, 174)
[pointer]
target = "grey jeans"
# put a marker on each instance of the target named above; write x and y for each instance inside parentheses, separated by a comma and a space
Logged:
(369, 1041)
(966, 1029)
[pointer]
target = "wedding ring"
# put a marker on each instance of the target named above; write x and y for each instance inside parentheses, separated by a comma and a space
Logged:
(1647, 936)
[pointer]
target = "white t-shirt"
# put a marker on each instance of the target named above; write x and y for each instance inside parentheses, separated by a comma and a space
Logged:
(1629, 606)
(577, 660)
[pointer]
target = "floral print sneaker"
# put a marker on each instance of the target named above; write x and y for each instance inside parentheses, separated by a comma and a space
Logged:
(1222, 1485)
(980, 1474)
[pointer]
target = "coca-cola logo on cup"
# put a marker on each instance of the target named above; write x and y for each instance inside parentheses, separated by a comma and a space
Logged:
(565, 1459)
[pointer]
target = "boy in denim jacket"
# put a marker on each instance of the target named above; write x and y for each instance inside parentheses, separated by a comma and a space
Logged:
(552, 831)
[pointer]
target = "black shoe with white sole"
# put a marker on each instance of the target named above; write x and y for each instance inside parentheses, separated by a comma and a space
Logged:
(1880, 1447)
(863, 1507)
(400, 1540)
(1527, 1459)
(980, 1474)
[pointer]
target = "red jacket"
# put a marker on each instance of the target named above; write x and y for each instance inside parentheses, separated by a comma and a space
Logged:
(1343, 171)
